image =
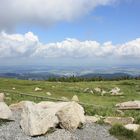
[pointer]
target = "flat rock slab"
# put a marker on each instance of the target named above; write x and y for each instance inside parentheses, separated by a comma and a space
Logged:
(12, 131)
(130, 105)
(119, 120)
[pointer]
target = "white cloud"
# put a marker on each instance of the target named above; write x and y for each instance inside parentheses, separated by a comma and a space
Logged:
(129, 49)
(17, 45)
(28, 46)
(44, 12)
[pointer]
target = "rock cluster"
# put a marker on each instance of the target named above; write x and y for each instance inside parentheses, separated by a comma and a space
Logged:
(38, 119)
(114, 92)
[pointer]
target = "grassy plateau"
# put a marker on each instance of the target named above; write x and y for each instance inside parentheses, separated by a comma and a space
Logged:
(101, 105)
(93, 103)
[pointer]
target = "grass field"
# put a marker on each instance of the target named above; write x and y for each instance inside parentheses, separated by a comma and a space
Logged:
(130, 88)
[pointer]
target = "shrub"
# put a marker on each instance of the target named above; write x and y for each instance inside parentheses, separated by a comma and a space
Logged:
(101, 111)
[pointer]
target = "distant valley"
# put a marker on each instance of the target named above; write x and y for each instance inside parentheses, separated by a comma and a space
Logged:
(45, 72)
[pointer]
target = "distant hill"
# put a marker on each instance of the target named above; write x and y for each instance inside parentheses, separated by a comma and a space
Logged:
(106, 76)
(47, 75)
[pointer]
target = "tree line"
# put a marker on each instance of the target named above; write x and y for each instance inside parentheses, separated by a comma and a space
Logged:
(82, 79)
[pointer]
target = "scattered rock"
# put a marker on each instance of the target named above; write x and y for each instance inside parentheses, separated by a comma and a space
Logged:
(48, 93)
(64, 99)
(75, 98)
(71, 116)
(93, 119)
(38, 89)
(2, 97)
(133, 127)
(97, 89)
(129, 105)
(36, 120)
(86, 90)
(91, 91)
(119, 120)
(103, 92)
(13, 88)
(5, 112)
(116, 92)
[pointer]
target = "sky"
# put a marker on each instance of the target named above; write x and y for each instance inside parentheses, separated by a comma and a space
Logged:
(71, 33)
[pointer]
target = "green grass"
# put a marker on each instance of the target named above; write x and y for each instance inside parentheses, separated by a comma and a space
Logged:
(122, 133)
(104, 104)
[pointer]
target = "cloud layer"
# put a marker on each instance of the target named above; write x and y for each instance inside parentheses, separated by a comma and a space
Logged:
(44, 12)
(28, 46)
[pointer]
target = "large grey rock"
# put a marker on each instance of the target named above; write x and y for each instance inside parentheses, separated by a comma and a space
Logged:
(129, 105)
(55, 106)
(5, 112)
(71, 116)
(2, 97)
(37, 121)
(18, 106)
(119, 120)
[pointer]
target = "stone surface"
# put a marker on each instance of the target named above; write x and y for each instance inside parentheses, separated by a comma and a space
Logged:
(93, 119)
(75, 98)
(17, 106)
(5, 112)
(116, 92)
(129, 105)
(48, 93)
(119, 120)
(86, 89)
(133, 127)
(97, 89)
(55, 106)
(64, 99)
(46, 104)
(36, 120)
(103, 92)
(71, 116)
(2, 97)
(38, 89)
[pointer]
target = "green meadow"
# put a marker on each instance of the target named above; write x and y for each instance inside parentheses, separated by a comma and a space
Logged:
(94, 103)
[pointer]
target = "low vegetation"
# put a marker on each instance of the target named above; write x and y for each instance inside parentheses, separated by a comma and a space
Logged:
(122, 133)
